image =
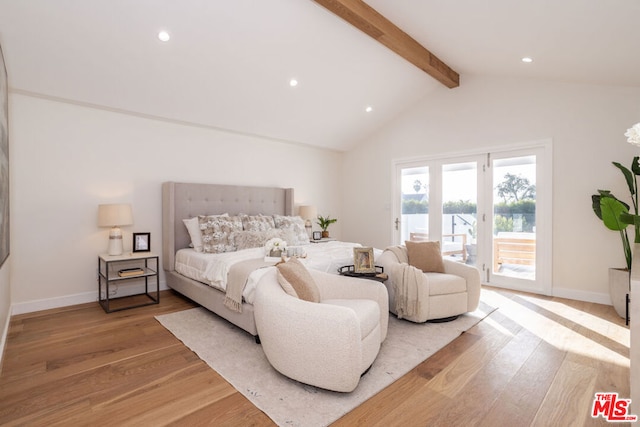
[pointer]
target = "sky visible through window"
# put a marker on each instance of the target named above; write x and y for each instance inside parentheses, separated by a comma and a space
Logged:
(458, 188)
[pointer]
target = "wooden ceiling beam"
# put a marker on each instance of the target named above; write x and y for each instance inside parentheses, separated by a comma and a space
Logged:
(367, 19)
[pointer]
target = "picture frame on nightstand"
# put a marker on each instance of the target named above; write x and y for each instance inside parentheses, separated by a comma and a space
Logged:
(141, 242)
(317, 235)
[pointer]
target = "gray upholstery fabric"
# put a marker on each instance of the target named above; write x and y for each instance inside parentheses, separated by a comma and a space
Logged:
(184, 200)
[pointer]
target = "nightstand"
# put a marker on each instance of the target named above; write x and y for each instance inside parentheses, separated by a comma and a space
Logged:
(128, 271)
(323, 240)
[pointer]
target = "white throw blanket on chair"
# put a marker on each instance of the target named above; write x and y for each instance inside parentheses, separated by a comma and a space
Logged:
(407, 281)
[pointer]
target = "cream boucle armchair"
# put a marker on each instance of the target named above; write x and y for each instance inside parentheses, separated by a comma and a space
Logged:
(439, 296)
(329, 344)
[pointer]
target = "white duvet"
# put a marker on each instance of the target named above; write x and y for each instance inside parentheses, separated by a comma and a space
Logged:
(212, 269)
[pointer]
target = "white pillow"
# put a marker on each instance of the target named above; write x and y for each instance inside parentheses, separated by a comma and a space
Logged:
(193, 227)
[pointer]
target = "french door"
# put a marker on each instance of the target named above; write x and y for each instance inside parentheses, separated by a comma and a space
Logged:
(489, 210)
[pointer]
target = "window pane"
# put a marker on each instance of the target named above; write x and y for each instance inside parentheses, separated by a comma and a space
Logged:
(415, 203)
(459, 211)
(514, 217)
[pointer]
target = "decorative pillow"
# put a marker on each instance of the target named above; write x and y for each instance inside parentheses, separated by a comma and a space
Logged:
(288, 236)
(295, 224)
(296, 280)
(193, 227)
(253, 239)
(426, 256)
(215, 232)
(257, 223)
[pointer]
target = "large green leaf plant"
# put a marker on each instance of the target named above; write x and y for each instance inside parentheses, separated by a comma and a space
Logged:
(615, 213)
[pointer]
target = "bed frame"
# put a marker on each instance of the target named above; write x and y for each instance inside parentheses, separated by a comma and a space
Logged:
(184, 200)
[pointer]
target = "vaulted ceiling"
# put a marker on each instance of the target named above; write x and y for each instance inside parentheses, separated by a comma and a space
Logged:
(228, 64)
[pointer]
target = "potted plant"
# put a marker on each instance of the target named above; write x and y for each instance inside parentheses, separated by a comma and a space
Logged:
(324, 223)
(616, 216)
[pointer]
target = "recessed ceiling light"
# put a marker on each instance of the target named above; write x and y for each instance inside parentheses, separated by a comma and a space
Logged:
(293, 83)
(527, 59)
(368, 109)
(164, 36)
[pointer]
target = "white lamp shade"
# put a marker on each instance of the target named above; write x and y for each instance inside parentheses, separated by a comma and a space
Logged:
(308, 212)
(114, 215)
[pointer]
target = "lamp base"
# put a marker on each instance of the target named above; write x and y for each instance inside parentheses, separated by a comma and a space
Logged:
(115, 242)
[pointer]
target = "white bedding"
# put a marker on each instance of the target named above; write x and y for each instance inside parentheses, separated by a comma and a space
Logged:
(212, 269)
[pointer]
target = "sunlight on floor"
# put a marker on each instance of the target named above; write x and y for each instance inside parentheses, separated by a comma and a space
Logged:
(616, 332)
(495, 325)
(565, 327)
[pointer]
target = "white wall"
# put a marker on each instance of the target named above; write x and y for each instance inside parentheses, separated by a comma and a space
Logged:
(67, 159)
(586, 124)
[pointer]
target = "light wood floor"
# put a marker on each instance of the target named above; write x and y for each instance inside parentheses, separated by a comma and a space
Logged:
(535, 361)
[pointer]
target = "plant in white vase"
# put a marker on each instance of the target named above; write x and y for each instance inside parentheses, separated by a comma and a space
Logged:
(275, 247)
(616, 216)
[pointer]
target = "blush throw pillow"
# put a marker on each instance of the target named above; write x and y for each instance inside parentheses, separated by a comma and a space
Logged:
(426, 256)
(296, 280)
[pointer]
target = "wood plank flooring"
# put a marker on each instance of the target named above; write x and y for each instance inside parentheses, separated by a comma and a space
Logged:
(536, 361)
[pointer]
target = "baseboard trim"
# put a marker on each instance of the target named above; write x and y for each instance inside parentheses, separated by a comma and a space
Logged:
(574, 294)
(57, 302)
(594, 297)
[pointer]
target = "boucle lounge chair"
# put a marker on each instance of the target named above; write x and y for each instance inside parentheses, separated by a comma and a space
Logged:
(423, 286)
(329, 343)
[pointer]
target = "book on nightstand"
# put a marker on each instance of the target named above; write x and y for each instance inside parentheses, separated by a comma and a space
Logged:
(128, 272)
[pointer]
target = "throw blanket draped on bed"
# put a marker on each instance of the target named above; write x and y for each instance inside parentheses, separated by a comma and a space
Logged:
(237, 279)
(407, 280)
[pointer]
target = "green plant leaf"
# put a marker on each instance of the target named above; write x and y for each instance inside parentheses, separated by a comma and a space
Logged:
(635, 165)
(630, 219)
(595, 204)
(324, 223)
(628, 176)
(611, 209)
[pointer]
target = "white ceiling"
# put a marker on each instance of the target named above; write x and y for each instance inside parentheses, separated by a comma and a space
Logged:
(228, 63)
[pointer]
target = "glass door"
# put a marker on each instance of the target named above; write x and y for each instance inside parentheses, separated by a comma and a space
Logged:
(514, 217)
(520, 244)
(413, 221)
(492, 211)
(460, 212)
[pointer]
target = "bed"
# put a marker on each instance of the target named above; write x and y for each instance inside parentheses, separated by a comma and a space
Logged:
(192, 274)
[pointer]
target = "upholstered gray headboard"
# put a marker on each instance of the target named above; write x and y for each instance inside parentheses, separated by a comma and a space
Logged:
(185, 200)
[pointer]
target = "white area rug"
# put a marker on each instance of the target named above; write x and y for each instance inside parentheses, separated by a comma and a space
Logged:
(235, 356)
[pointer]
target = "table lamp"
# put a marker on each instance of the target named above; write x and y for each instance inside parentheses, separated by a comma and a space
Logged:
(308, 213)
(114, 216)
